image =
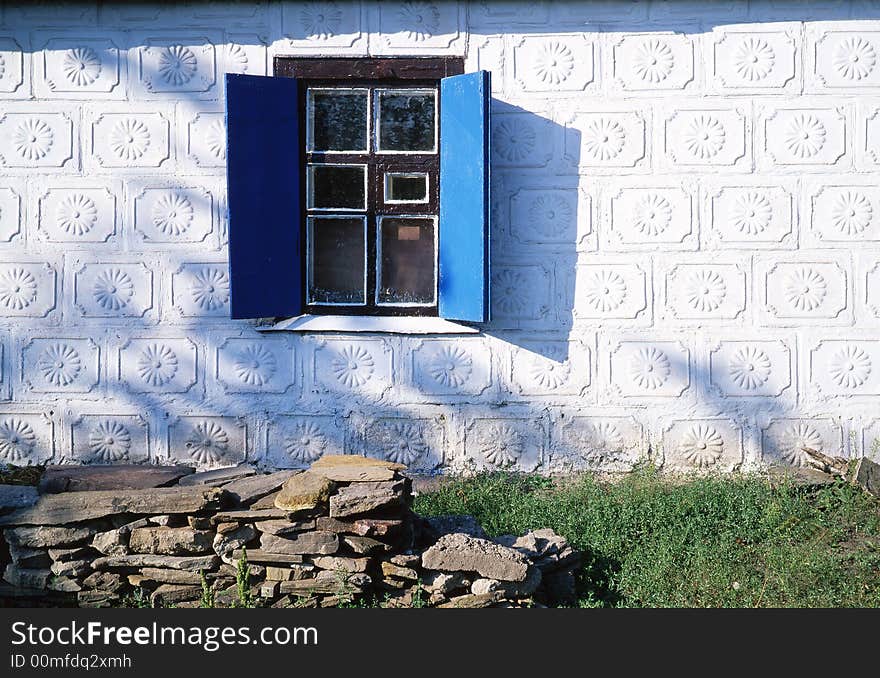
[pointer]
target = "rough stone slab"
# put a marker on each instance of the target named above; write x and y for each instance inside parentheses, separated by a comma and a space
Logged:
(63, 584)
(97, 599)
(168, 594)
(248, 490)
(105, 581)
(364, 545)
(33, 559)
(304, 491)
(57, 509)
(267, 502)
(306, 543)
(224, 543)
(218, 476)
(510, 590)
(463, 553)
(17, 496)
(67, 478)
(365, 497)
(798, 475)
(260, 556)
(535, 544)
(867, 476)
(72, 568)
(171, 541)
(199, 522)
(345, 468)
(308, 587)
(474, 601)
(361, 527)
(279, 573)
(444, 583)
(26, 578)
(392, 570)
(284, 527)
(249, 515)
(65, 555)
(47, 537)
(341, 563)
(163, 575)
(136, 560)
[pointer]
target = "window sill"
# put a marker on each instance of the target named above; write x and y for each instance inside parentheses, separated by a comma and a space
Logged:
(353, 323)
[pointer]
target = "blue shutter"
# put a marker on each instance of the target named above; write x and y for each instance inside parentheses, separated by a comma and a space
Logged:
(464, 197)
(263, 187)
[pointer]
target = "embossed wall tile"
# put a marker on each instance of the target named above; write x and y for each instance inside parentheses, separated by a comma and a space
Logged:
(750, 213)
(841, 212)
(803, 136)
(504, 443)
(355, 367)
(112, 289)
(702, 445)
(844, 367)
(751, 368)
(37, 139)
(645, 217)
(649, 369)
(109, 438)
(612, 291)
(14, 69)
(26, 438)
(757, 59)
(297, 441)
(208, 442)
(418, 442)
(129, 137)
(85, 67)
(157, 364)
(521, 295)
(867, 135)
(201, 138)
(705, 291)
(842, 59)
(328, 26)
(610, 139)
(869, 288)
(251, 365)
(169, 65)
(488, 53)
(173, 213)
(522, 140)
(76, 213)
(60, 365)
(27, 289)
(707, 137)
(783, 439)
(243, 53)
(556, 63)
(596, 441)
(802, 291)
(417, 26)
(541, 216)
(201, 290)
(11, 213)
(652, 61)
(444, 368)
(550, 368)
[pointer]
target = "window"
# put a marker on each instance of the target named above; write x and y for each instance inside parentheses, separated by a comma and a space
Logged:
(359, 187)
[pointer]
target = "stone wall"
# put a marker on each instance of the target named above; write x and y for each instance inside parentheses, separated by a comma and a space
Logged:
(679, 190)
(338, 534)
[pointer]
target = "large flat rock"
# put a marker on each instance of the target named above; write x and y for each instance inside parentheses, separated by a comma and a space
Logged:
(365, 497)
(71, 507)
(306, 543)
(464, 553)
(304, 491)
(17, 496)
(57, 479)
(219, 476)
(867, 476)
(138, 560)
(247, 490)
(349, 468)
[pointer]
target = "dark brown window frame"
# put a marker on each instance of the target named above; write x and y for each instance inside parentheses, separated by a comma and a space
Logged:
(383, 72)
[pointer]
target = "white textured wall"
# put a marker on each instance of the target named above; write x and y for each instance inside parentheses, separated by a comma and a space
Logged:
(688, 187)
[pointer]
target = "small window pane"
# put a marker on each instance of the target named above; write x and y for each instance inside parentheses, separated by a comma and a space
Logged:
(406, 121)
(338, 120)
(337, 258)
(406, 187)
(406, 261)
(337, 187)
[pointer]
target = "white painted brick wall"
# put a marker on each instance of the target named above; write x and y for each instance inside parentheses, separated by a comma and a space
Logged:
(686, 240)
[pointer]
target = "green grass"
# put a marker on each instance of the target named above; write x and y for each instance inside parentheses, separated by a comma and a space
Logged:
(705, 542)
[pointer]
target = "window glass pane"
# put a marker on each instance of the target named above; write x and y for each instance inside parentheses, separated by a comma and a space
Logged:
(338, 120)
(406, 261)
(337, 187)
(406, 121)
(406, 187)
(337, 257)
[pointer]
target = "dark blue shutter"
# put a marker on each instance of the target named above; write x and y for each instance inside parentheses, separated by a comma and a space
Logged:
(263, 188)
(464, 197)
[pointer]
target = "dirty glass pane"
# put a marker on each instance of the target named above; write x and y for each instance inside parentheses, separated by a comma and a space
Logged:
(406, 187)
(406, 121)
(337, 187)
(406, 261)
(337, 249)
(338, 120)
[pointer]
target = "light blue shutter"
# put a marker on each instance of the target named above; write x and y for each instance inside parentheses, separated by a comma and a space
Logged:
(263, 188)
(464, 197)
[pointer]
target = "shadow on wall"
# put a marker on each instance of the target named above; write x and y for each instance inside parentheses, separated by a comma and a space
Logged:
(541, 206)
